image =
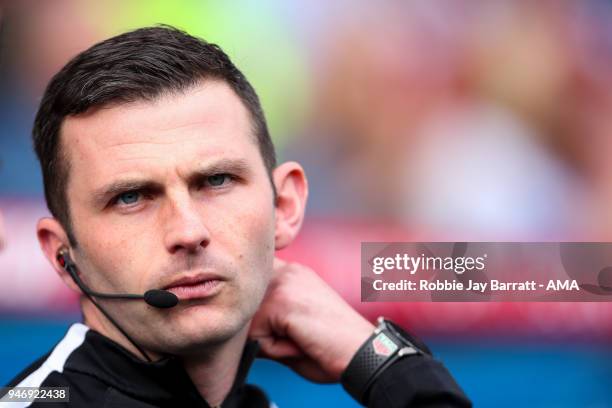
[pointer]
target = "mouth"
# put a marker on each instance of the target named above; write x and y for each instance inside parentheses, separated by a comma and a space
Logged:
(197, 286)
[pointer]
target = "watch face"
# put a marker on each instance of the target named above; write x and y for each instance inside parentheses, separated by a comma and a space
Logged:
(383, 345)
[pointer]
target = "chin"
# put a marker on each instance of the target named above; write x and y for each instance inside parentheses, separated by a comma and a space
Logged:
(208, 329)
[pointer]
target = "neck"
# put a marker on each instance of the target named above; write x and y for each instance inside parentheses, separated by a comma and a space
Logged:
(214, 370)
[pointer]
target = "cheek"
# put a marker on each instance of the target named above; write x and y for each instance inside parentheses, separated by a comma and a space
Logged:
(110, 256)
(259, 267)
(245, 223)
(247, 237)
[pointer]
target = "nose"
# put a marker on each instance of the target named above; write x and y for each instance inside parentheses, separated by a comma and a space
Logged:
(185, 227)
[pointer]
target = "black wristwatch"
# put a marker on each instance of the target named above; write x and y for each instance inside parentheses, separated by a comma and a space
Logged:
(386, 345)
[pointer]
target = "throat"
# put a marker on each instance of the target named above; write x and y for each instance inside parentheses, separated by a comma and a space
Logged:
(214, 372)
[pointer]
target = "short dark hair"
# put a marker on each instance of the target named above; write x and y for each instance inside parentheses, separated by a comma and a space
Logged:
(138, 65)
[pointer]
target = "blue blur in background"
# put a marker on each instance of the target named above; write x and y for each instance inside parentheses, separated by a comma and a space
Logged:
(499, 375)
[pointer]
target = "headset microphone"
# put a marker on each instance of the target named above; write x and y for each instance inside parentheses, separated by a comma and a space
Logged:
(156, 297)
(159, 298)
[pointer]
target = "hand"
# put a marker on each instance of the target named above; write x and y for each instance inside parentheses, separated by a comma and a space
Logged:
(305, 325)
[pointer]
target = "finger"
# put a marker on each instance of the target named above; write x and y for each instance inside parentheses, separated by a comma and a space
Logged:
(276, 348)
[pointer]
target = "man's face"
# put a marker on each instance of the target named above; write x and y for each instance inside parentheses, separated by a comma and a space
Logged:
(167, 190)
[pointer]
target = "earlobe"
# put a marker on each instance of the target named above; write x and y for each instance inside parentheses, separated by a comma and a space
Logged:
(52, 239)
(292, 194)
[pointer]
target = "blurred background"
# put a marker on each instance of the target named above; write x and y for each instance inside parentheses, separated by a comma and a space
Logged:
(432, 120)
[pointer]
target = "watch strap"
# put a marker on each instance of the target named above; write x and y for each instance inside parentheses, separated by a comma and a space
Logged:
(385, 346)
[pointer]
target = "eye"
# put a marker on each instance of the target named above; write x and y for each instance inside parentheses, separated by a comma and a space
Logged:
(217, 180)
(129, 197)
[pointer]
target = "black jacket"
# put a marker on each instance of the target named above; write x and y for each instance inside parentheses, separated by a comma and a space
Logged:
(101, 373)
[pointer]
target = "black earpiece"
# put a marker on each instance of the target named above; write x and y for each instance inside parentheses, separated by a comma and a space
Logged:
(63, 258)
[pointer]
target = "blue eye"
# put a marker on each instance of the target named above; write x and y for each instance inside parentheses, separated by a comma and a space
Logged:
(217, 180)
(128, 198)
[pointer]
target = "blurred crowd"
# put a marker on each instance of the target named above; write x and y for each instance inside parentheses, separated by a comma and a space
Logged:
(472, 120)
(468, 119)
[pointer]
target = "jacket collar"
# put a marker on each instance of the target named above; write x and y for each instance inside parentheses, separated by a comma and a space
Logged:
(162, 381)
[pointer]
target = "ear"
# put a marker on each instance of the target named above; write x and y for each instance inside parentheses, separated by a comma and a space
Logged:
(292, 193)
(52, 238)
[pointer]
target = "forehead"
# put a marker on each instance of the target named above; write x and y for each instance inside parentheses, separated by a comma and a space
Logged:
(204, 122)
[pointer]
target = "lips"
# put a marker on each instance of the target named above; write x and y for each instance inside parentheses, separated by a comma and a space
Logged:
(197, 286)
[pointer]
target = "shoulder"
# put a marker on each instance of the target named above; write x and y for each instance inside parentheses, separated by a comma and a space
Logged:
(50, 371)
(54, 361)
(83, 389)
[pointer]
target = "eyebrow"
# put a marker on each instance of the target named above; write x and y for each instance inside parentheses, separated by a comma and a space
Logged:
(238, 167)
(103, 195)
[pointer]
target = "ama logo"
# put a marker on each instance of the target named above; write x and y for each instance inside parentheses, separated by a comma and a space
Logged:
(562, 285)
